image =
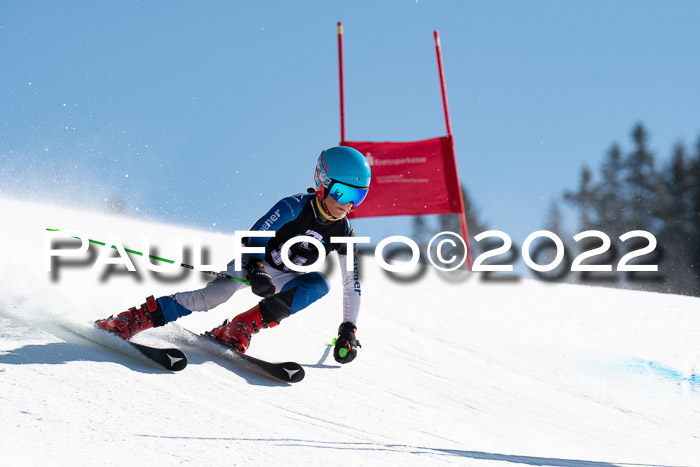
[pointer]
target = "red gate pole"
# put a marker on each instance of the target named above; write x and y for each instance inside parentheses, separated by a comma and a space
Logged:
(342, 87)
(438, 50)
(462, 217)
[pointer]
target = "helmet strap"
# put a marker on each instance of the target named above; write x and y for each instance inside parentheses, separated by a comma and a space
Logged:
(324, 210)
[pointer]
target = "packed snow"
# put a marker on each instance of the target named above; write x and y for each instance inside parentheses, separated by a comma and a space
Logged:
(452, 369)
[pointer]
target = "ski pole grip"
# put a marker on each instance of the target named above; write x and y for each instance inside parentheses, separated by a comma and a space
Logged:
(342, 352)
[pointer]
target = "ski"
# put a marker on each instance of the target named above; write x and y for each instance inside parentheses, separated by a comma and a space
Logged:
(287, 372)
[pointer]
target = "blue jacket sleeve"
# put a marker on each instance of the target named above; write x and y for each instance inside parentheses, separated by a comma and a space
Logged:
(286, 210)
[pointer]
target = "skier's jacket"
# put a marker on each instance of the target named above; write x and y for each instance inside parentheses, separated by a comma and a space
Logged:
(299, 215)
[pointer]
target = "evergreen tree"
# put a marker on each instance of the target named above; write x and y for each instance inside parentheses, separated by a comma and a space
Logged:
(421, 234)
(633, 195)
(694, 223)
(675, 236)
(584, 200)
(452, 223)
(643, 185)
(471, 212)
(554, 222)
(611, 202)
(678, 200)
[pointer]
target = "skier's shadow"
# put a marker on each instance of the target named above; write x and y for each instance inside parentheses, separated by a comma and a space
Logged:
(58, 353)
(195, 356)
(413, 450)
(323, 358)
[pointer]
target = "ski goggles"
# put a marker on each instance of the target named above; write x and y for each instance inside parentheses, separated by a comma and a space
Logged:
(344, 193)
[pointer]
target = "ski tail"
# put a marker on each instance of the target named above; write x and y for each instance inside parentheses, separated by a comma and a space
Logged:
(172, 359)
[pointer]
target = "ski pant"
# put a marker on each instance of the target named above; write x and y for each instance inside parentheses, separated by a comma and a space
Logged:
(294, 292)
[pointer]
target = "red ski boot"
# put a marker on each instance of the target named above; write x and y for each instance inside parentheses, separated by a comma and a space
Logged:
(129, 323)
(240, 330)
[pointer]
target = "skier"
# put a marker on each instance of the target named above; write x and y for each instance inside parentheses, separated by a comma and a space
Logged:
(341, 180)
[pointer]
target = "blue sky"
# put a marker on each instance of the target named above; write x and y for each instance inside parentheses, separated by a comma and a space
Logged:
(206, 113)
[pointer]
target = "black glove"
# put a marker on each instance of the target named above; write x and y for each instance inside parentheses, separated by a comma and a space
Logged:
(346, 345)
(260, 281)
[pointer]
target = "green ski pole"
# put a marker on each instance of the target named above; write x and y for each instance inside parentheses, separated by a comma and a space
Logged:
(188, 266)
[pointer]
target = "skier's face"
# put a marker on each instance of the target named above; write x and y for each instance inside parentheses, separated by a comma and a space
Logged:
(336, 209)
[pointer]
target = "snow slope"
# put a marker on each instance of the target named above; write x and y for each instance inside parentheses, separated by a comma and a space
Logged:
(451, 371)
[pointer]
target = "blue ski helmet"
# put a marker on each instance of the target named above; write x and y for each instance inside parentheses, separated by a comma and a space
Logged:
(344, 174)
